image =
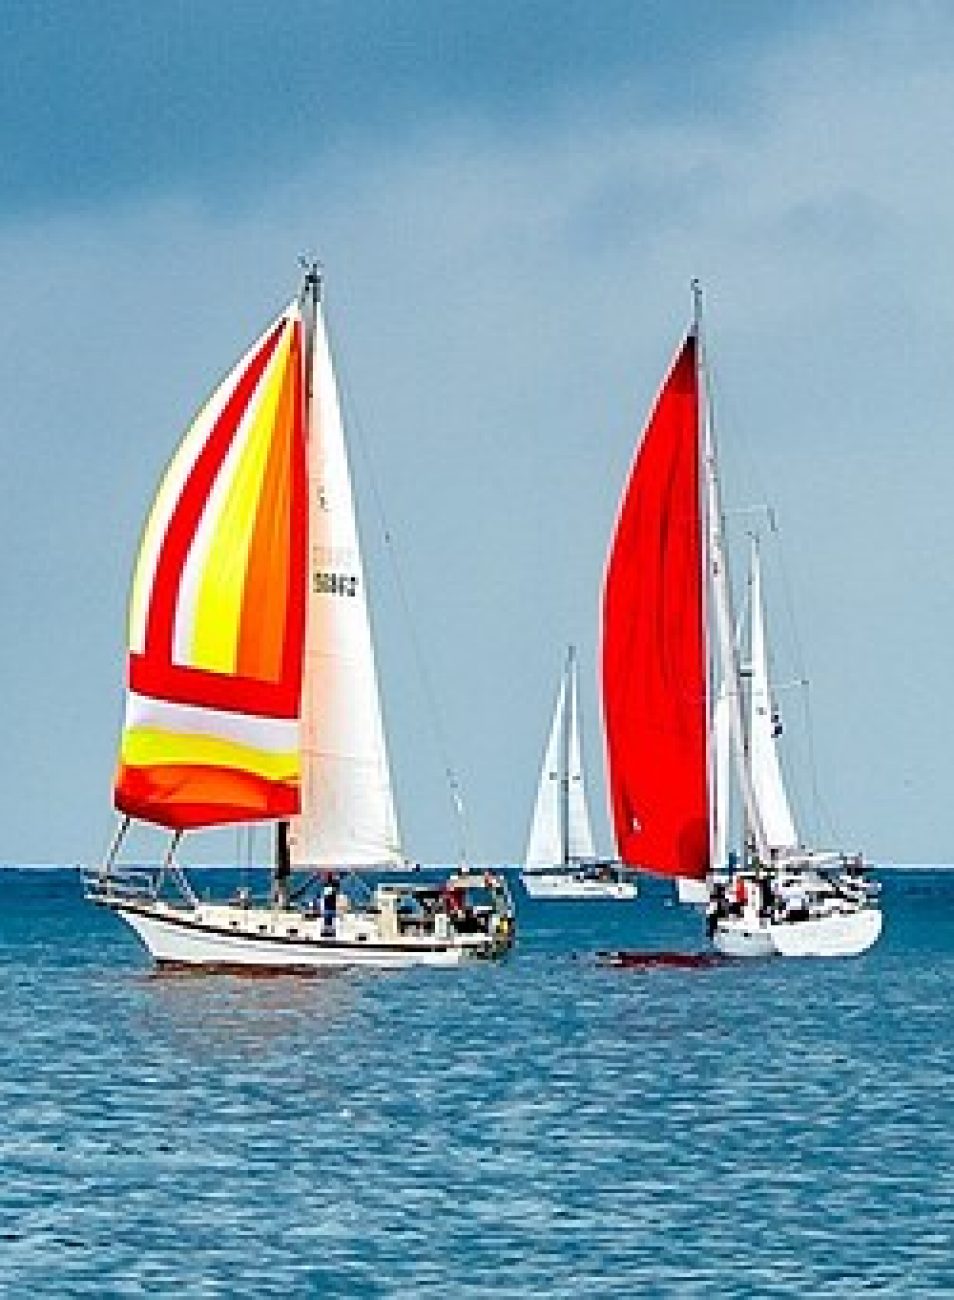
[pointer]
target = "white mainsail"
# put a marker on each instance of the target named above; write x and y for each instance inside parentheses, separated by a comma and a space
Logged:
(728, 657)
(579, 831)
(545, 845)
(721, 745)
(771, 797)
(348, 816)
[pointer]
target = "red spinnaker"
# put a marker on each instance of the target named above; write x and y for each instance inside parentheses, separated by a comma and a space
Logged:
(654, 658)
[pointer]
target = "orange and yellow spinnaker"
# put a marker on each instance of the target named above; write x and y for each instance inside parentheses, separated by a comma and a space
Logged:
(217, 613)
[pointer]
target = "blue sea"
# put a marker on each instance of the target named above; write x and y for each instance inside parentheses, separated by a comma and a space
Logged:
(545, 1126)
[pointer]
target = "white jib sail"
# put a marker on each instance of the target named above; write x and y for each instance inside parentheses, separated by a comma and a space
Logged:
(348, 817)
(545, 845)
(718, 564)
(774, 808)
(579, 831)
(722, 745)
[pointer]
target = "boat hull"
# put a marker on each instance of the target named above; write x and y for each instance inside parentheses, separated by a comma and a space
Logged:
(180, 938)
(835, 934)
(741, 937)
(841, 934)
(560, 885)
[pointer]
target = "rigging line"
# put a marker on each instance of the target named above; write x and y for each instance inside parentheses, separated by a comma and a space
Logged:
(430, 696)
(823, 818)
(820, 811)
(741, 446)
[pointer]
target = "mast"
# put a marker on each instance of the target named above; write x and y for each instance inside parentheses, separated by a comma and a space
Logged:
(308, 298)
(565, 763)
(717, 563)
(705, 506)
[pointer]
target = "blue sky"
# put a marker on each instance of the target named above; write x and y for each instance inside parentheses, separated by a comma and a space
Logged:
(121, 100)
(510, 201)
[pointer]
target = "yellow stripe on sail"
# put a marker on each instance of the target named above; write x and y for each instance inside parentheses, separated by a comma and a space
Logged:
(218, 608)
(149, 747)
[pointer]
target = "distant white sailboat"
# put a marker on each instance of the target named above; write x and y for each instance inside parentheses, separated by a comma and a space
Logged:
(561, 860)
(253, 693)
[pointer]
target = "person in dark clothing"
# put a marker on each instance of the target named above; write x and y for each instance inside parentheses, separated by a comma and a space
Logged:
(329, 905)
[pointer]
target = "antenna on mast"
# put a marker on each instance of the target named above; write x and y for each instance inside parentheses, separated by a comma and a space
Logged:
(695, 287)
(309, 298)
(314, 277)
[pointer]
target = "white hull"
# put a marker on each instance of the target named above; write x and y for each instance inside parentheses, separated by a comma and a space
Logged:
(235, 938)
(842, 934)
(560, 884)
(743, 937)
(837, 934)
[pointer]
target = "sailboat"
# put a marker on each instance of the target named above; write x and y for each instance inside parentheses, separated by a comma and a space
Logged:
(561, 860)
(673, 744)
(763, 729)
(253, 693)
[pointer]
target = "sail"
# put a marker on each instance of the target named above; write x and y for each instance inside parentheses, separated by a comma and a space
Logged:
(545, 846)
(654, 659)
(721, 745)
(347, 810)
(216, 617)
(776, 813)
(726, 636)
(579, 832)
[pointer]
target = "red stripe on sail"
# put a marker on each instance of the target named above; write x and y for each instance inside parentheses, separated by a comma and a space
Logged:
(282, 618)
(272, 629)
(293, 660)
(190, 796)
(654, 661)
(188, 510)
(180, 684)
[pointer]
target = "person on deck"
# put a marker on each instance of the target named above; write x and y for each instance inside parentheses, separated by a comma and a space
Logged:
(329, 906)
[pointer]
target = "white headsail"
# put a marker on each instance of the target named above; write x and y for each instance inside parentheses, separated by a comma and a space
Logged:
(545, 845)
(348, 816)
(721, 746)
(728, 657)
(774, 808)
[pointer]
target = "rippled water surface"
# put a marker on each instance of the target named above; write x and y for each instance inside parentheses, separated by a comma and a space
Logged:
(542, 1127)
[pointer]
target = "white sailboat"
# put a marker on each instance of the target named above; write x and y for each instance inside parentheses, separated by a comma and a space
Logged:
(825, 889)
(561, 860)
(253, 692)
(674, 746)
